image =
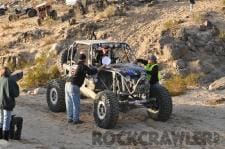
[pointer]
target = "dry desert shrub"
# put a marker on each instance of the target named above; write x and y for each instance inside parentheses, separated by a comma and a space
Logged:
(40, 73)
(178, 84)
(198, 17)
(48, 41)
(110, 11)
(222, 35)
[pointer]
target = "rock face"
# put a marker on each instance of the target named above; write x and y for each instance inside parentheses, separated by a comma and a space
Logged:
(32, 35)
(218, 84)
(196, 49)
(14, 59)
(82, 31)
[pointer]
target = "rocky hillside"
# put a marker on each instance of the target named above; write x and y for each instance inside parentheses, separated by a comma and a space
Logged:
(184, 42)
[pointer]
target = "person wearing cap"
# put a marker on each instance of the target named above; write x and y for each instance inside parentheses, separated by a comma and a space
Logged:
(152, 69)
(72, 89)
(9, 89)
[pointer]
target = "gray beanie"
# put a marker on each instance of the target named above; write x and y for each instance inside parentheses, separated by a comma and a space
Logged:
(152, 58)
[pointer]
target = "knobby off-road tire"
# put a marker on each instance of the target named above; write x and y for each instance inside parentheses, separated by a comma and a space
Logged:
(53, 14)
(106, 110)
(164, 102)
(62, 58)
(32, 13)
(56, 95)
(2, 12)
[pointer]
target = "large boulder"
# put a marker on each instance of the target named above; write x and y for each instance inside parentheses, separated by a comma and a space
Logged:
(218, 84)
(175, 50)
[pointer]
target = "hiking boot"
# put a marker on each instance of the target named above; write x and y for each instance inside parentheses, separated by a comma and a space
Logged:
(78, 122)
(70, 121)
(6, 135)
(1, 133)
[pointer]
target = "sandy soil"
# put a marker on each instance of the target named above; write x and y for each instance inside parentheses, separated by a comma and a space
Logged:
(198, 110)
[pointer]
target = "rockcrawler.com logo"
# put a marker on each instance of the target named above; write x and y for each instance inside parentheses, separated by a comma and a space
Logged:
(155, 138)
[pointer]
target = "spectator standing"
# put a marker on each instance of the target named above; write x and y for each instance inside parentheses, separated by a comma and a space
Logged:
(8, 91)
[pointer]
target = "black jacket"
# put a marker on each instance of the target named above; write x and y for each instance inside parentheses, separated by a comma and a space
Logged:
(80, 74)
(154, 73)
(192, 1)
(8, 91)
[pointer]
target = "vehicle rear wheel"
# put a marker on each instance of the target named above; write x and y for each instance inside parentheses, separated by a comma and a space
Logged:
(161, 107)
(106, 110)
(56, 95)
(32, 13)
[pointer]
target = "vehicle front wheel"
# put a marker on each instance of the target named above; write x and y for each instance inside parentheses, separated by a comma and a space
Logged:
(56, 95)
(161, 105)
(32, 13)
(106, 110)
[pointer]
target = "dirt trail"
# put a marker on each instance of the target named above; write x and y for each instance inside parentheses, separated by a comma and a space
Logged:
(46, 130)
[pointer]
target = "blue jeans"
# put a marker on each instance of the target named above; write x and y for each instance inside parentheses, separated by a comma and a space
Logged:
(72, 93)
(5, 119)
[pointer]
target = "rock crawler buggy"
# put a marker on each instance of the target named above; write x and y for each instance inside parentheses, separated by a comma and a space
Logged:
(21, 11)
(116, 88)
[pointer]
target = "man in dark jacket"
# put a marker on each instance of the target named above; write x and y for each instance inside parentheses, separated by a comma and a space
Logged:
(72, 89)
(151, 68)
(8, 91)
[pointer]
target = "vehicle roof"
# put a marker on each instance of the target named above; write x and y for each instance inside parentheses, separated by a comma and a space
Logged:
(91, 42)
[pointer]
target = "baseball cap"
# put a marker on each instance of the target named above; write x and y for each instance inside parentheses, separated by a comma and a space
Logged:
(152, 58)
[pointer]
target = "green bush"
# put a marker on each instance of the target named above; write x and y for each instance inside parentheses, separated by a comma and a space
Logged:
(171, 24)
(41, 73)
(198, 17)
(222, 35)
(110, 11)
(192, 79)
(178, 84)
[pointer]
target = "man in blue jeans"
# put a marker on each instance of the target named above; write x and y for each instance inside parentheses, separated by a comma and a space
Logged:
(72, 89)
